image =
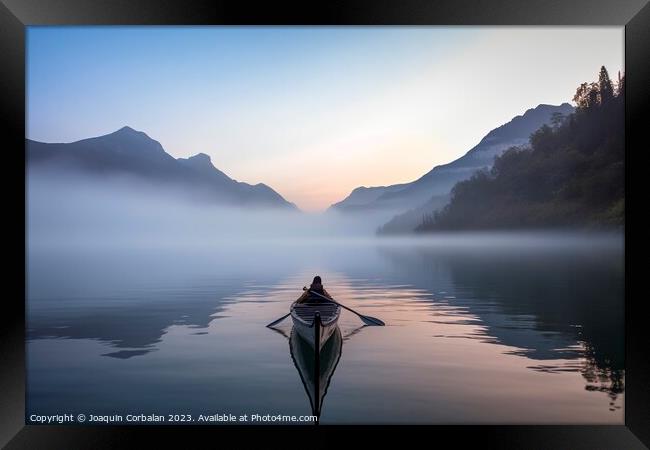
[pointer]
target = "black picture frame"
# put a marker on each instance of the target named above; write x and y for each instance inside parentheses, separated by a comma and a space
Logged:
(15, 15)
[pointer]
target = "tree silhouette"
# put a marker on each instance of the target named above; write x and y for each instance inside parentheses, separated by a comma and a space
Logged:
(587, 96)
(572, 174)
(556, 119)
(605, 87)
(620, 87)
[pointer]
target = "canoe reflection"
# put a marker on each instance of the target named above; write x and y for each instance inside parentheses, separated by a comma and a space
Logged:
(316, 368)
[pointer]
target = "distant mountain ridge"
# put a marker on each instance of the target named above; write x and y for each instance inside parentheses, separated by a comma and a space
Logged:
(134, 153)
(571, 175)
(439, 180)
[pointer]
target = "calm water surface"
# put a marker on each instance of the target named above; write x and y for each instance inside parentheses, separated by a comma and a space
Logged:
(480, 329)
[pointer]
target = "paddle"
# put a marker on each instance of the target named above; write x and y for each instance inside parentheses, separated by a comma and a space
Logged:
(366, 319)
(275, 322)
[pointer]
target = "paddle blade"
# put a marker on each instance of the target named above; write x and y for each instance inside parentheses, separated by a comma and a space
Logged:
(278, 321)
(372, 321)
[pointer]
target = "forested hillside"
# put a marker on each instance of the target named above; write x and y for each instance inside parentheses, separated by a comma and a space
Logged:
(570, 175)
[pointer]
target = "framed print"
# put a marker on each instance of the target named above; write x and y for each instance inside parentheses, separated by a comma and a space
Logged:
(371, 217)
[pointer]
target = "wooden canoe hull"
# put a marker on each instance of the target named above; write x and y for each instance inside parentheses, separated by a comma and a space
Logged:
(303, 322)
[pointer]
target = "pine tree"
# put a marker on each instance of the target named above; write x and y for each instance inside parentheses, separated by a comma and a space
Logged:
(556, 119)
(605, 86)
(620, 87)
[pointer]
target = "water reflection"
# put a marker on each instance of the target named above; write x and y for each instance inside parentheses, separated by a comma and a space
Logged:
(476, 333)
(128, 298)
(133, 323)
(556, 303)
(316, 368)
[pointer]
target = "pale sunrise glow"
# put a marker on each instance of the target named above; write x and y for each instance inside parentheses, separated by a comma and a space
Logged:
(312, 112)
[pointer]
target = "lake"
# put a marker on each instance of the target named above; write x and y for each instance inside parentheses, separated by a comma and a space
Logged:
(480, 329)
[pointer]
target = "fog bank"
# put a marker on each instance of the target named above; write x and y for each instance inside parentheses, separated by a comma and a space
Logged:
(75, 209)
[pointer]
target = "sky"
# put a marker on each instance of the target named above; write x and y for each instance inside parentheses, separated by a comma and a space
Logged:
(312, 112)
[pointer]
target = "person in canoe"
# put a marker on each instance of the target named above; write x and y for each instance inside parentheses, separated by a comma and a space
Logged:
(316, 286)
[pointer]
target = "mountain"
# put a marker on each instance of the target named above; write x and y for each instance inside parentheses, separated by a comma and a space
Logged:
(409, 220)
(571, 175)
(133, 153)
(439, 180)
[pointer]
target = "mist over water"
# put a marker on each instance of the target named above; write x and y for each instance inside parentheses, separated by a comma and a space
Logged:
(78, 210)
(142, 301)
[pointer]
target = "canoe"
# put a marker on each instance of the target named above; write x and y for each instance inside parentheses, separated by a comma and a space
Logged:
(316, 368)
(303, 315)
